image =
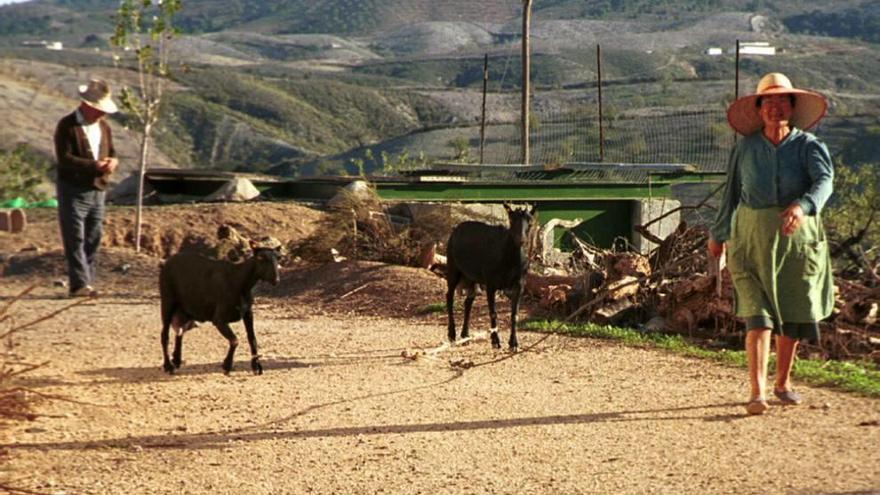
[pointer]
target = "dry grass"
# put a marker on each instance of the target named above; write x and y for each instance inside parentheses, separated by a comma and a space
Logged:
(359, 226)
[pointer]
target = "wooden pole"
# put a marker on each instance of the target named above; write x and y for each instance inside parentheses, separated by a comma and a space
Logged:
(142, 170)
(483, 118)
(526, 73)
(599, 85)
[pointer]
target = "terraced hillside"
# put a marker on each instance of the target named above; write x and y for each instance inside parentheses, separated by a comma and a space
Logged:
(79, 17)
(304, 86)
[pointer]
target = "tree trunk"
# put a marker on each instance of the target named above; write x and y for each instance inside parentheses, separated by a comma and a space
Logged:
(142, 169)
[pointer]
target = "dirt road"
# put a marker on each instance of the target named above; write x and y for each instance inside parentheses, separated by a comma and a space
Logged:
(338, 410)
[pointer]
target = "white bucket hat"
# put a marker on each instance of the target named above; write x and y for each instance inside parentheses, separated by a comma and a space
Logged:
(809, 107)
(96, 94)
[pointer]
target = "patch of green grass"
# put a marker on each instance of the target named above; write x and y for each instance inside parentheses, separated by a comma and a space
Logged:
(858, 377)
(432, 308)
(440, 307)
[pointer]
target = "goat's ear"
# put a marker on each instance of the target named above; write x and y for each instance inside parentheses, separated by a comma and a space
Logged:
(534, 209)
(507, 207)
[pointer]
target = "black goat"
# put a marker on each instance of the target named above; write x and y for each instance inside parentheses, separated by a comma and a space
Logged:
(493, 256)
(195, 288)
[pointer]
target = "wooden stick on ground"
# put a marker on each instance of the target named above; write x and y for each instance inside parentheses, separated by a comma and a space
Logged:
(354, 290)
(435, 351)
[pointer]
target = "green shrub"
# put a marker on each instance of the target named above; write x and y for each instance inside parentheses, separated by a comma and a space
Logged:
(21, 171)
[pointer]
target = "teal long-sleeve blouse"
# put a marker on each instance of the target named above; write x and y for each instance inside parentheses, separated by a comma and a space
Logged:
(761, 175)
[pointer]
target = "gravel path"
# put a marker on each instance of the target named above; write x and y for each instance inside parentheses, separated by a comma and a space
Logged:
(339, 410)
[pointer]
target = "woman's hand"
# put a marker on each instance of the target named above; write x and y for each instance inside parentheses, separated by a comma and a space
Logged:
(716, 248)
(792, 218)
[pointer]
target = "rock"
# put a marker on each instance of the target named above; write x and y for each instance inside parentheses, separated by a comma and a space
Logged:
(238, 189)
(462, 363)
(358, 189)
(655, 324)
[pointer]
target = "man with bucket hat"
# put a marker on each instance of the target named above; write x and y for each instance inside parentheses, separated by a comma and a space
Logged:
(779, 178)
(85, 160)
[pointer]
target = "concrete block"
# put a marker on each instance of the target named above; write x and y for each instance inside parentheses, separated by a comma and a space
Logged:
(646, 210)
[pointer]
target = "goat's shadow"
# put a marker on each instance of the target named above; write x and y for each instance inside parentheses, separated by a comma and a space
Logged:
(240, 366)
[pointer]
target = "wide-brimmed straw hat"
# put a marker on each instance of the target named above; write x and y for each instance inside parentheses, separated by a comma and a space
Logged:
(96, 94)
(809, 107)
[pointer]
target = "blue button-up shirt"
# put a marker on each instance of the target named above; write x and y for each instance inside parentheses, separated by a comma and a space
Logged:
(761, 175)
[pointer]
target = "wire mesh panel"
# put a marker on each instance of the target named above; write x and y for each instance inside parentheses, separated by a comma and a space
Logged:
(695, 137)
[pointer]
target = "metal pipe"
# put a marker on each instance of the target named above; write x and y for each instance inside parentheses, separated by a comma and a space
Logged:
(599, 85)
(526, 73)
(483, 118)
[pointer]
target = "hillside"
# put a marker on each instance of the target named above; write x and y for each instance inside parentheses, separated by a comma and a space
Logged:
(59, 17)
(36, 95)
(302, 86)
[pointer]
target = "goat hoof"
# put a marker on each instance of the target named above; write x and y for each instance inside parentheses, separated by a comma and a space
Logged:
(496, 342)
(257, 367)
(169, 368)
(176, 363)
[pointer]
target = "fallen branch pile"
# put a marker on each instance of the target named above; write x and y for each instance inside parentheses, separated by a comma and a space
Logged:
(679, 289)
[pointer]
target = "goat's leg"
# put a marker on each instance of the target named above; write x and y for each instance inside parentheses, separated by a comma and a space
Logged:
(166, 324)
(248, 318)
(178, 324)
(514, 305)
(468, 304)
(452, 279)
(493, 317)
(227, 332)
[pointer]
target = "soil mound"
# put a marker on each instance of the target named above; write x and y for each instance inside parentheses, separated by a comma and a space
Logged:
(359, 287)
(167, 228)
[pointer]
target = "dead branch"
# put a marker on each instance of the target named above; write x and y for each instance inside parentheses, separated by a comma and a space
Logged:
(4, 310)
(433, 352)
(14, 490)
(853, 240)
(44, 318)
(680, 208)
(354, 291)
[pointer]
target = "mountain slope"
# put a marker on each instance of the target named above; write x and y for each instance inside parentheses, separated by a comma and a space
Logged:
(80, 17)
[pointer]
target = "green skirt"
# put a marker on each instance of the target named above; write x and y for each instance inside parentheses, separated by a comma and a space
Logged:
(782, 283)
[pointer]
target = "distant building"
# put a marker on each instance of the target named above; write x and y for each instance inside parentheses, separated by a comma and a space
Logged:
(714, 51)
(755, 48)
(49, 45)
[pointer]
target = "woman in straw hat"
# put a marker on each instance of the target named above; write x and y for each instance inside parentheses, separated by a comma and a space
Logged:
(86, 157)
(778, 180)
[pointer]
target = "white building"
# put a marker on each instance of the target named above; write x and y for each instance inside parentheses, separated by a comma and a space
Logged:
(49, 45)
(754, 48)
